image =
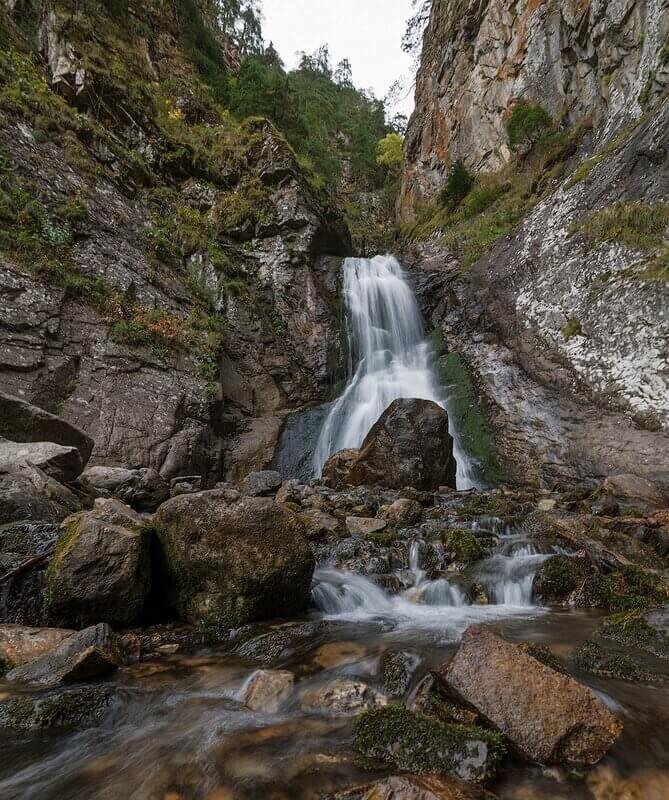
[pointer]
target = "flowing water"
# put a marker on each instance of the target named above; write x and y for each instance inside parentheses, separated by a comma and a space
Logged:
(389, 358)
(178, 729)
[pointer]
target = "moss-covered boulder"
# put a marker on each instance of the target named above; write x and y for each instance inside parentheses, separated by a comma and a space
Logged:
(228, 563)
(592, 657)
(644, 630)
(419, 744)
(626, 589)
(100, 571)
(558, 577)
(82, 706)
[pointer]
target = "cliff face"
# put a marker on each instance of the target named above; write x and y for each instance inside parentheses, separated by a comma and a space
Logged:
(562, 310)
(582, 60)
(162, 274)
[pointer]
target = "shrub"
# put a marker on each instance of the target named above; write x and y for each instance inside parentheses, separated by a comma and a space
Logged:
(458, 185)
(527, 124)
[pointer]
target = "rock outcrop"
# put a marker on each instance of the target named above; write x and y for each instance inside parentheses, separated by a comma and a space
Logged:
(547, 716)
(229, 563)
(600, 62)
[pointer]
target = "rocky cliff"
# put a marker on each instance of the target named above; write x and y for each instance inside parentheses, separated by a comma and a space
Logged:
(550, 278)
(583, 60)
(163, 279)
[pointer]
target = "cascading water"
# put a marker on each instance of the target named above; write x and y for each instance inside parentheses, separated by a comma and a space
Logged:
(442, 604)
(389, 358)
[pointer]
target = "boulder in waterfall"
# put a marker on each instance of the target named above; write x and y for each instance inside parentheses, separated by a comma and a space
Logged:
(547, 716)
(417, 787)
(101, 567)
(234, 562)
(342, 697)
(82, 656)
(409, 445)
(142, 489)
(22, 422)
(404, 511)
(416, 743)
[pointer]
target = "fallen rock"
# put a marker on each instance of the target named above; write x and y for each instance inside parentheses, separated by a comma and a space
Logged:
(142, 489)
(268, 689)
(318, 523)
(101, 567)
(343, 697)
(417, 787)
(61, 463)
(232, 563)
(78, 707)
(21, 421)
(547, 716)
(27, 493)
(265, 483)
(364, 526)
(414, 743)
(404, 512)
(409, 445)
(20, 644)
(82, 656)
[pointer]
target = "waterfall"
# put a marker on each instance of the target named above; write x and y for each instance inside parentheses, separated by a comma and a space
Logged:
(389, 358)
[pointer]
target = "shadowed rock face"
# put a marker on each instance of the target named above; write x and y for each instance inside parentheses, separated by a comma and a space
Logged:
(408, 446)
(600, 61)
(547, 716)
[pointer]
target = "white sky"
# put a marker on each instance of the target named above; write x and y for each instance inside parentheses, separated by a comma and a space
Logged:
(367, 32)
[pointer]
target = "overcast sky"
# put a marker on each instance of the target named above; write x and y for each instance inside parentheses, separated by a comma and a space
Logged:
(367, 32)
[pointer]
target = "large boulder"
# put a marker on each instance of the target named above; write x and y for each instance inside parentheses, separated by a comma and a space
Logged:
(232, 562)
(142, 489)
(55, 460)
(547, 716)
(27, 493)
(101, 567)
(81, 656)
(21, 421)
(409, 445)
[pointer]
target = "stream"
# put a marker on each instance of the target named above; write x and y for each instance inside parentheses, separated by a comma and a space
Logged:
(178, 728)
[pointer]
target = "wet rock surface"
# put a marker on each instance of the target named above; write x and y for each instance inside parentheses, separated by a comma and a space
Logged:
(142, 489)
(546, 716)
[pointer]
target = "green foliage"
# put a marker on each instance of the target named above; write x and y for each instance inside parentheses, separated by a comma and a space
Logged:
(458, 185)
(571, 329)
(390, 151)
(527, 124)
(641, 225)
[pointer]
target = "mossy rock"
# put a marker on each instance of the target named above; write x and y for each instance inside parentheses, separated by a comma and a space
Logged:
(626, 589)
(558, 577)
(463, 544)
(592, 657)
(397, 669)
(544, 655)
(636, 629)
(419, 744)
(74, 708)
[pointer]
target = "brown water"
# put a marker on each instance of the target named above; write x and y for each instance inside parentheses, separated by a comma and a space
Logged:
(177, 728)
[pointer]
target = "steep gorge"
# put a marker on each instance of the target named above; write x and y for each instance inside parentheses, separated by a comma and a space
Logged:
(556, 292)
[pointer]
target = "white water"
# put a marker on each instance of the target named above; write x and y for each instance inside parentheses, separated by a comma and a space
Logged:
(437, 604)
(389, 358)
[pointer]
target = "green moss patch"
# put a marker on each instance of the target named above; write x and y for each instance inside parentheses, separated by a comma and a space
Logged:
(632, 630)
(420, 744)
(592, 657)
(626, 589)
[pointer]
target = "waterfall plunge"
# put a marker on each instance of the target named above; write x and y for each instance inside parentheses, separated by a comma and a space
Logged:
(389, 358)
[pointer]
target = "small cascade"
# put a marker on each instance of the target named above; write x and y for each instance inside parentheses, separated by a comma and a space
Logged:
(506, 577)
(389, 358)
